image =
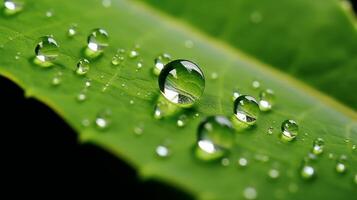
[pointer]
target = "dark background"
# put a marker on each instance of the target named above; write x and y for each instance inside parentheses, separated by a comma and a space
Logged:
(41, 155)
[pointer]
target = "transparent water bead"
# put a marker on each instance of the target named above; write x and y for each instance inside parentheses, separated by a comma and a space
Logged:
(289, 130)
(250, 193)
(318, 146)
(72, 30)
(98, 40)
(215, 137)
(341, 164)
(242, 162)
(182, 120)
(162, 151)
(181, 82)
(13, 6)
(160, 62)
(266, 100)
(246, 109)
(82, 66)
(307, 172)
(117, 59)
(103, 119)
(46, 51)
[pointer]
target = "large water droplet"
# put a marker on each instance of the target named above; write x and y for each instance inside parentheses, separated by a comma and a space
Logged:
(82, 66)
(98, 40)
(318, 146)
(266, 100)
(307, 172)
(13, 6)
(246, 110)
(160, 62)
(289, 130)
(46, 51)
(250, 193)
(215, 137)
(182, 82)
(103, 120)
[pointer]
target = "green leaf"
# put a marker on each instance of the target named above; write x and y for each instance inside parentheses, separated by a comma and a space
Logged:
(131, 94)
(314, 41)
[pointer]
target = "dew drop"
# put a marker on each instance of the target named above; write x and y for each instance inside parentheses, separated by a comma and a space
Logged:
(307, 172)
(56, 80)
(214, 75)
(102, 120)
(181, 82)
(270, 130)
(85, 122)
(330, 156)
(88, 83)
(256, 84)
(46, 51)
(341, 167)
(225, 162)
(81, 97)
(72, 30)
(13, 6)
(235, 95)
(49, 13)
(139, 65)
(162, 151)
(289, 130)
(117, 59)
(242, 162)
(266, 100)
(250, 193)
(131, 102)
(261, 158)
(160, 62)
(181, 121)
(138, 130)
(82, 66)
(318, 146)
(273, 173)
(215, 138)
(106, 3)
(354, 147)
(98, 40)
(133, 54)
(246, 109)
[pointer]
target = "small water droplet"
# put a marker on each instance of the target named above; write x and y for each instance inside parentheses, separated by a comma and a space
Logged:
(162, 151)
(354, 147)
(189, 44)
(261, 157)
(347, 140)
(225, 162)
(250, 193)
(139, 65)
(215, 137)
(138, 130)
(330, 156)
(46, 51)
(56, 80)
(256, 17)
(181, 121)
(307, 172)
(273, 173)
(72, 30)
(117, 59)
(81, 97)
(181, 82)
(256, 84)
(289, 130)
(13, 6)
(266, 100)
(341, 167)
(270, 130)
(133, 54)
(318, 146)
(246, 110)
(235, 95)
(242, 162)
(98, 40)
(102, 120)
(214, 75)
(106, 3)
(88, 83)
(82, 66)
(160, 62)
(131, 102)
(49, 13)
(85, 122)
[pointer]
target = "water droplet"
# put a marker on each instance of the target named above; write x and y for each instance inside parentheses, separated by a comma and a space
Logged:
(160, 62)
(246, 109)
(56, 80)
(102, 120)
(85, 122)
(347, 140)
(307, 172)
(133, 54)
(46, 51)
(162, 151)
(250, 193)
(72, 30)
(273, 173)
(330, 156)
(139, 65)
(181, 121)
(88, 83)
(214, 75)
(117, 59)
(256, 84)
(289, 130)
(189, 44)
(225, 162)
(266, 100)
(341, 164)
(181, 82)
(354, 147)
(49, 13)
(242, 162)
(82, 66)
(261, 157)
(256, 17)
(131, 102)
(270, 130)
(81, 97)
(318, 146)
(106, 3)
(13, 6)
(215, 137)
(235, 95)
(98, 40)
(138, 130)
